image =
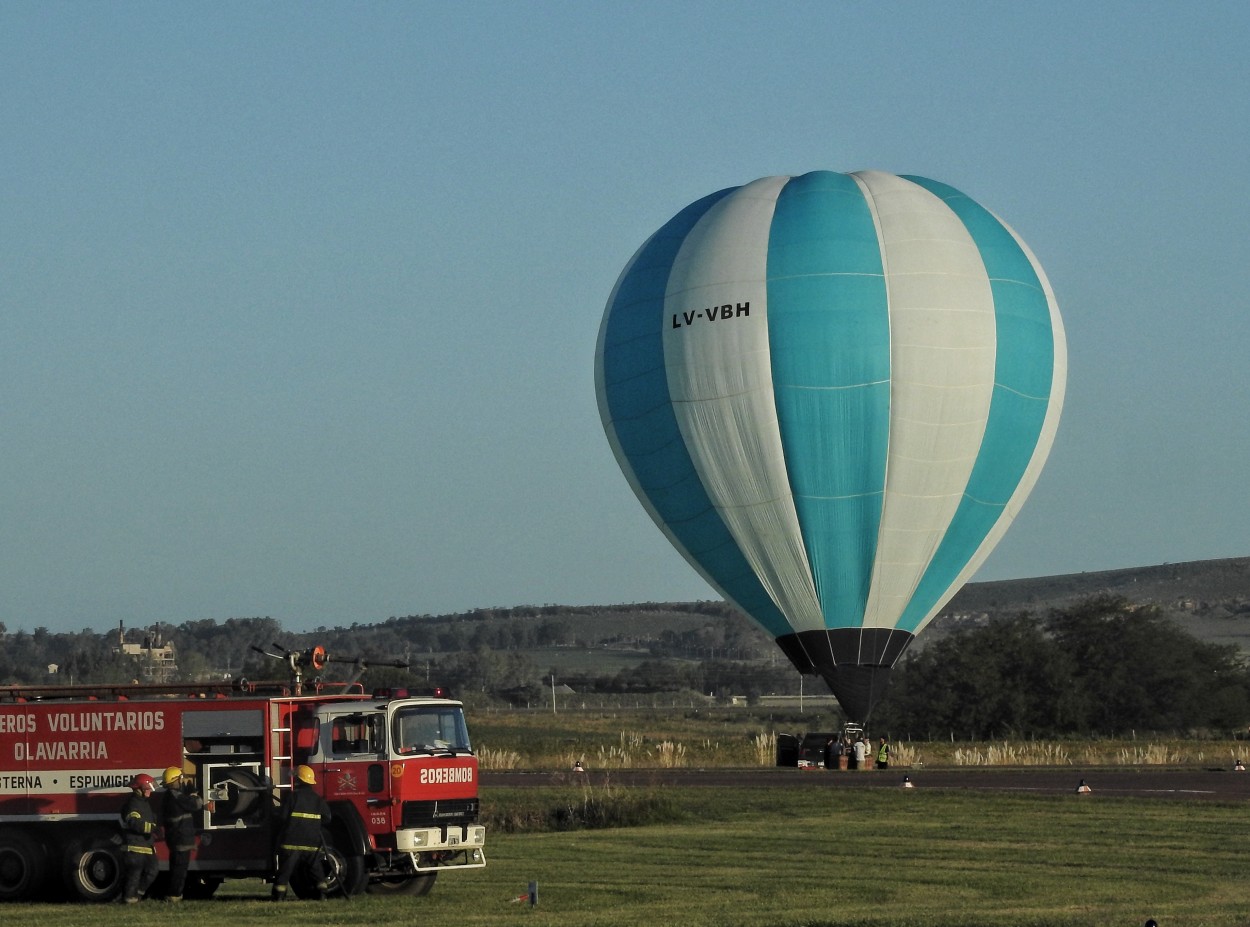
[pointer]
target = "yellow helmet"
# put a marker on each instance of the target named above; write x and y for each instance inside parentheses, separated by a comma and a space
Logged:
(305, 774)
(172, 774)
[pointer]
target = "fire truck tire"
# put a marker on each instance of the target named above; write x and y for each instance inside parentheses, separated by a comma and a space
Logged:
(414, 886)
(92, 869)
(23, 866)
(347, 875)
(351, 873)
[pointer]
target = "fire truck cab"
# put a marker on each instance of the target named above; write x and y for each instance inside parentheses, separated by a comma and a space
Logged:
(397, 770)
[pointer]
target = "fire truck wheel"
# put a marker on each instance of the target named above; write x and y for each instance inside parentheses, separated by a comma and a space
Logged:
(92, 869)
(350, 874)
(22, 866)
(347, 876)
(414, 886)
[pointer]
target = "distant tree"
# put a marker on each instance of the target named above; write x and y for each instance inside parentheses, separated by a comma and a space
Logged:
(1005, 678)
(1101, 666)
(552, 632)
(1139, 671)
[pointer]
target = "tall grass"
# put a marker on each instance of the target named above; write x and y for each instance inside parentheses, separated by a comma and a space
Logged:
(488, 758)
(905, 754)
(640, 740)
(627, 749)
(1154, 755)
(764, 748)
(1029, 753)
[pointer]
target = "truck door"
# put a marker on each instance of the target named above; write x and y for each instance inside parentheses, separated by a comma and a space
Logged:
(355, 755)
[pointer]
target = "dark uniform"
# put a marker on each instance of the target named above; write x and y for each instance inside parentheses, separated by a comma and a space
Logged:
(300, 841)
(139, 831)
(178, 808)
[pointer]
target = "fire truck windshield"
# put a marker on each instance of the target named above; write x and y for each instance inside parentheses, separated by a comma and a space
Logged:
(430, 729)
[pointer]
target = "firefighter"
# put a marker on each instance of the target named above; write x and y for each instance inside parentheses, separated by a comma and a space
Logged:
(138, 824)
(178, 808)
(301, 844)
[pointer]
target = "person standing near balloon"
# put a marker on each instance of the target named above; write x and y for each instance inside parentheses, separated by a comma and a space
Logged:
(883, 755)
(861, 752)
(833, 749)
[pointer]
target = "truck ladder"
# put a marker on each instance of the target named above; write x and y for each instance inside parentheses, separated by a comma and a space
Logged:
(282, 742)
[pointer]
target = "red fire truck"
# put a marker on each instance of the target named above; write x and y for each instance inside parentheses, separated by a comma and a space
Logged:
(396, 768)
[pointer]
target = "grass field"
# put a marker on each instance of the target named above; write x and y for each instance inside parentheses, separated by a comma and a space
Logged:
(805, 858)
(760, 857)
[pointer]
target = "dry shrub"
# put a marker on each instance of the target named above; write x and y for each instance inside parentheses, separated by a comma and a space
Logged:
(497, 759)
(905, 754)
(764, 748)
(669, 755)
(1030, 753)
(1150, 755)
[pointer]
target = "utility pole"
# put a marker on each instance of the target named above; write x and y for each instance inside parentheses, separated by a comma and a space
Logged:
(553, 693)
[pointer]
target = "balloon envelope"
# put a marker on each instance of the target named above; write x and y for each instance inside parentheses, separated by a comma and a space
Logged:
(832, 392)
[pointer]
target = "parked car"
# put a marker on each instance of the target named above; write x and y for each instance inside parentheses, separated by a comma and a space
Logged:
(814, 749)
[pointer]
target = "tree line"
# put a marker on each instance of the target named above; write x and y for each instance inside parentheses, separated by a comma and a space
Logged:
(1101, 667)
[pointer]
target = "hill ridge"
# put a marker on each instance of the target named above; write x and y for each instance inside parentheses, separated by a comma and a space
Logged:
(1210, 599)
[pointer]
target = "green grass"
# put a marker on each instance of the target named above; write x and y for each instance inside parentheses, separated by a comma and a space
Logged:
(801, 858)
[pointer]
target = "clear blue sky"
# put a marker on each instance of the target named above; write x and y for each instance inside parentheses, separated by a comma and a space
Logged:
(298, 301)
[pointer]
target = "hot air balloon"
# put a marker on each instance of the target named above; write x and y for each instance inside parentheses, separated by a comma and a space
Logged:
(832, 393)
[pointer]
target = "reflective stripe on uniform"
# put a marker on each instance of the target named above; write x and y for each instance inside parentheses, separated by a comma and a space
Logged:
(147, 825)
